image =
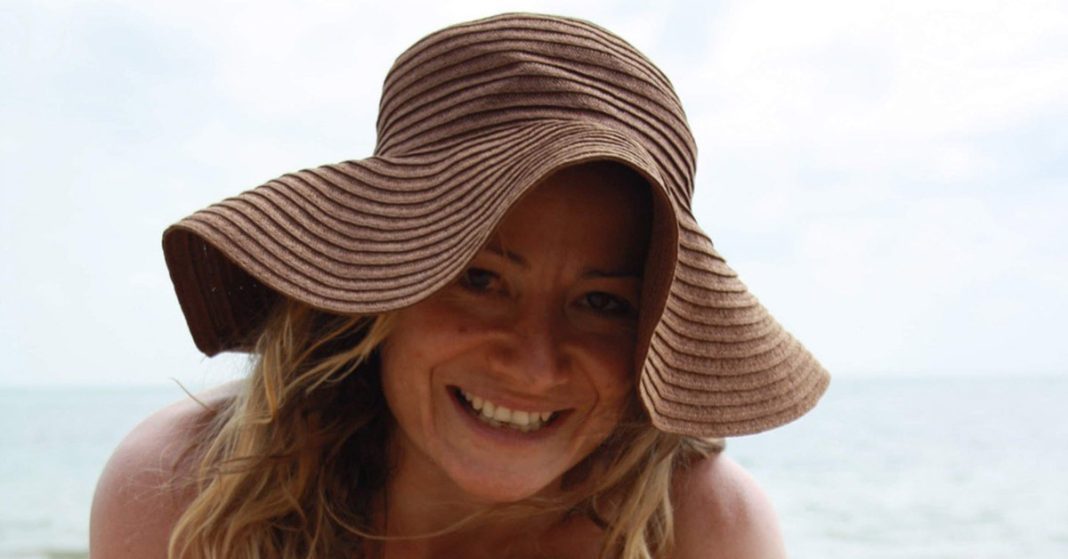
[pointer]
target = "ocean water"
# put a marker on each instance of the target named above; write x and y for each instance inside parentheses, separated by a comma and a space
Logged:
(53, 445)
(947, 468)
(931, 468)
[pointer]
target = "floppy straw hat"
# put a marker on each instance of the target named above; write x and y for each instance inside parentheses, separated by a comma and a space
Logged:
(471, 117)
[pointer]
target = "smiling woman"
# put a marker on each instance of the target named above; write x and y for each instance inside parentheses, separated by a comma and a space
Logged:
(501, 335)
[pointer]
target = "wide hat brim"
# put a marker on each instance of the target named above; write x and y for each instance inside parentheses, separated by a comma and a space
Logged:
(472, 117)
(380, 234)
(367, 236)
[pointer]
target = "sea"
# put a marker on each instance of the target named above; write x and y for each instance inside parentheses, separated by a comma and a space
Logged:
(888, 467)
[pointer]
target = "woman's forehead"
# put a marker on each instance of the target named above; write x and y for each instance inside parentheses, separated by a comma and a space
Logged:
(593, 190)
(603, 213)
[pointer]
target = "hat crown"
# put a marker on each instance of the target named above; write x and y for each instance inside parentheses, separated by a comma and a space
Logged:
(482, 76)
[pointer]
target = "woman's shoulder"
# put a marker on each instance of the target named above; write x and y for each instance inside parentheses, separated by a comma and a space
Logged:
(721, 512)
(142, 491)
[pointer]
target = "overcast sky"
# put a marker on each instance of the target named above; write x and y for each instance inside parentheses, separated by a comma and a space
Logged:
(889, 178)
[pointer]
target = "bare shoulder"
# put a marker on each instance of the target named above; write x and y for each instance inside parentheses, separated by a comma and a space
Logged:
(140, 494)
(721, 512)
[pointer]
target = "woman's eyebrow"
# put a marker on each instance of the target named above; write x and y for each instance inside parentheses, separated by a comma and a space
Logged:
(613, 274)
(625, 273)
(500, 251)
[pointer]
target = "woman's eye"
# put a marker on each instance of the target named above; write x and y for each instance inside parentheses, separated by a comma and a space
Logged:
(477, 279)
(608, 303)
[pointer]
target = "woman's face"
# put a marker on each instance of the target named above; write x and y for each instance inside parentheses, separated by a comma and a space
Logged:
(511, 375)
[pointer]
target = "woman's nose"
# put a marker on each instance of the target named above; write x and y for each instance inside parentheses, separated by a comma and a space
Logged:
(534, 353)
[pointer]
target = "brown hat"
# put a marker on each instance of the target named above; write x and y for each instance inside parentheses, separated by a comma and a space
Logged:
(471, 117)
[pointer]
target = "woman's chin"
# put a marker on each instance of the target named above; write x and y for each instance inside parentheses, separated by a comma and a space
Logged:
(500, 491)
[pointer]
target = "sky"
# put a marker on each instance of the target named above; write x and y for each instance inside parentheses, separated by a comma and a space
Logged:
(889, 178)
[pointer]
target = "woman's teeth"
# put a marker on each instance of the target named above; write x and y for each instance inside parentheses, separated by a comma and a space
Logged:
(500, 416)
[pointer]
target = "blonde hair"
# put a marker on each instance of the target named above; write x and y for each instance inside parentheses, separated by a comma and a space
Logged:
(291, 466)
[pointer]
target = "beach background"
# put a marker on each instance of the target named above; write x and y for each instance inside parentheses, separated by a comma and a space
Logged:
(968, 467)
(888, 177)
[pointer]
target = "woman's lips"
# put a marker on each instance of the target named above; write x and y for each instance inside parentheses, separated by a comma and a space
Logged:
(502, 417)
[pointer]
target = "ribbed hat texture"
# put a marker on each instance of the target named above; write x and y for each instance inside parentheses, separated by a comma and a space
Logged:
(471, 117)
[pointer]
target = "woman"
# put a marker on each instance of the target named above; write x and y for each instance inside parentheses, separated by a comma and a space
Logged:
(501, 335)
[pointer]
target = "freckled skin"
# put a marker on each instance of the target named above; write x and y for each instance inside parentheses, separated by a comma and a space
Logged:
(537, 336)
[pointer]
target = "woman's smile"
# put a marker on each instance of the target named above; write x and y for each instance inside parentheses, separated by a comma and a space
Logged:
(501, 416)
